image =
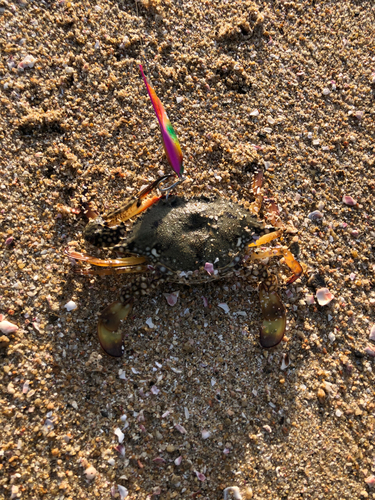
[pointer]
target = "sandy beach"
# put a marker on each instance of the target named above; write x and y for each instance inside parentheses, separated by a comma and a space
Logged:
(195, 408)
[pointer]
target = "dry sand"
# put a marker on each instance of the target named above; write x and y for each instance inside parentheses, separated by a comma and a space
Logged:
(76, 123)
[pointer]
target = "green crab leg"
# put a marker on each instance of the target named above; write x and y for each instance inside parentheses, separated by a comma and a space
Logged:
(109, 321)
(135, 205)
(125, 261)
(290, 261)
(274, 317)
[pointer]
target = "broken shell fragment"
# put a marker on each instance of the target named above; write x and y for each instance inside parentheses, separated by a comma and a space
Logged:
(124, 493)
(285, 361)
(172, 298)
(90, 473)
(372, 333)
(7, 327)
(234, 490)
(274, 317)
(70, 306)
(370, 351)
(348, 200)
(200, 476)
(316, 215)
(324, 296)
(108, 324)
(209, 268)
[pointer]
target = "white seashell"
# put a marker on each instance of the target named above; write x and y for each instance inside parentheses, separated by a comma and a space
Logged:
(234, 490)
(324, 296)
(372, 333)
(70, 306)
(123, 492)
(224, 307)
(7, 327)
(90, 473)
(315, 215)
(120, 435)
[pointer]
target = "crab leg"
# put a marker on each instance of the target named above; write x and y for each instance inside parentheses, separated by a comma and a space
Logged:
(257, 185)
(135, 205)
(266, 238)
(274, 317)
(108, 324)
(126, 261)
(290, 261)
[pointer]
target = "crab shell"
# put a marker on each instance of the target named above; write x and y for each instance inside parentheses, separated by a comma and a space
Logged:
(179, 237)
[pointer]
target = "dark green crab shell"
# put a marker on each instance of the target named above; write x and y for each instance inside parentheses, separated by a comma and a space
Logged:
(180, 236)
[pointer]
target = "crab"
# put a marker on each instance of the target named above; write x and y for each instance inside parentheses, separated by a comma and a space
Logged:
(187, 241)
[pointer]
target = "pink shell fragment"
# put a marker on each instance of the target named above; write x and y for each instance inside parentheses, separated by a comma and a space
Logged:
(205, 301)
(172, 298)
(309, 299)
(9, 240)
(200, 476)
(370, 480)
(178, 461)
(370, 351)
(209, 268)
(7, 327)
(372, 332)
(155, 390)
(179, 428)
(120, 449)
(123, 492)
(159, 460)
(348, 200)
(324, 296)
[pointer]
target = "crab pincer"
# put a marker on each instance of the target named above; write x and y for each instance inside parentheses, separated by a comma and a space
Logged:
(109, 321)
(274, 317)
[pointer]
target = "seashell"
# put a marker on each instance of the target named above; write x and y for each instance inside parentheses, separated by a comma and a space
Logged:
(172, 298)
(348, 200)
(7, 327)
(324, 296)
(316, 215)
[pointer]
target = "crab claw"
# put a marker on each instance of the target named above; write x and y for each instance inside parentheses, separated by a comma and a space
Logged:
(109, 321)
(274, 317)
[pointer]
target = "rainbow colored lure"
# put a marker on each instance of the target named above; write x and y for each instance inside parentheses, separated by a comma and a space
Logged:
(170, 142)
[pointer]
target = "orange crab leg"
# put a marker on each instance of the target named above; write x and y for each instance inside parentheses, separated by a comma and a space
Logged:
(126, 261)
(135, 205)
(290, 261)
(257, 185)
(266, 238)
(274, 317)
(293, 265)
(109, 322)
